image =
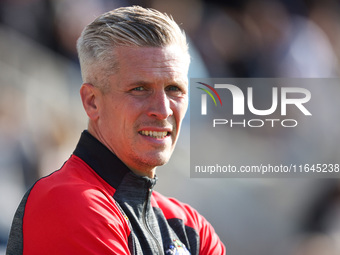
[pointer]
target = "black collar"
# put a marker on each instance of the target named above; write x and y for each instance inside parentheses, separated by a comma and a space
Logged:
(101, 159)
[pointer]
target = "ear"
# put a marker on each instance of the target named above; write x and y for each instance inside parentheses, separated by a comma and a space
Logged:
(89, 96)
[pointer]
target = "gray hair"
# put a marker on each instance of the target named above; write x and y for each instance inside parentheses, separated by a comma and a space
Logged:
(125, 26)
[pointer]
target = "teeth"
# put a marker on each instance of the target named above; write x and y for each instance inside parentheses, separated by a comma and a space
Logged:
(154, 134)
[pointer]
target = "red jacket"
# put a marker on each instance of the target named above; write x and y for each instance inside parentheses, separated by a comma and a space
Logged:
(95, 205)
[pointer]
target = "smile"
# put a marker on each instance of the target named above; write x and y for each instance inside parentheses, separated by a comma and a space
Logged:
(155, 134)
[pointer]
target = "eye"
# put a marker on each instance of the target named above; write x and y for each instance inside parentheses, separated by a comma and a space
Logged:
(138, 89)
(173, 88)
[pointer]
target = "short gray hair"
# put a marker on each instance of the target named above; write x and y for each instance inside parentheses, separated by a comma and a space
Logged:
(125, 26)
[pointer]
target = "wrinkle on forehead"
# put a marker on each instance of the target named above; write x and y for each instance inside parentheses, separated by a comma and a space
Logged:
(161, 63)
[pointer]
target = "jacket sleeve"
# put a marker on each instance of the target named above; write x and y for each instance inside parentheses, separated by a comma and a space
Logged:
(209, 242)
(61, 221)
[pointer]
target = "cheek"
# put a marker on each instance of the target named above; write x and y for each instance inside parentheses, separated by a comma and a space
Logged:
(183, 106)
(180, 109)
(112, 118)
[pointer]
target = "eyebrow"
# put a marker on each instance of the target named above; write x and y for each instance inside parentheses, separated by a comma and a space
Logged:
(179, 82)
(139, 83)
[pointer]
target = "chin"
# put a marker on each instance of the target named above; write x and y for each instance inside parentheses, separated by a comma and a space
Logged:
(156, 160)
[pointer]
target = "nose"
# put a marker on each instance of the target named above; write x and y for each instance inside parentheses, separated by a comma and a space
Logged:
(160, 106)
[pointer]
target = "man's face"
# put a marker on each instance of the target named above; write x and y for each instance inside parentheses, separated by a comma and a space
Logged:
(140, 117)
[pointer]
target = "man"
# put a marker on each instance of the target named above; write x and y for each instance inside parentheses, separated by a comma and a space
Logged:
(134, 65)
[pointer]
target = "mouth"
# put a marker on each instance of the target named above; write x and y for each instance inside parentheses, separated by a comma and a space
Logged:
(155, 134)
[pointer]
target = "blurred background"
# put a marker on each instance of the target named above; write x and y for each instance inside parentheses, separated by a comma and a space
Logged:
(41, 115)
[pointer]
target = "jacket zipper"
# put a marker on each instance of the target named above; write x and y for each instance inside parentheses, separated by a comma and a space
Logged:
(146, 224)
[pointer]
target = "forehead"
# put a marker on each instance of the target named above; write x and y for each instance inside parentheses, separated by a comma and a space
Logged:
(169, 62)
